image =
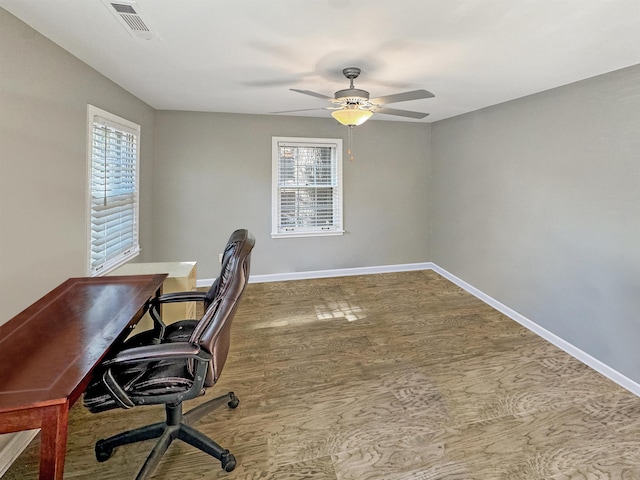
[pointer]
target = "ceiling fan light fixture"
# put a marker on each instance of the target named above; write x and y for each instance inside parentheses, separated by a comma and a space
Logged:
(351, 116)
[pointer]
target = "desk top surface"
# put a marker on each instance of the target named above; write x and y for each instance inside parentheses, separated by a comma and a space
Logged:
(48, 351)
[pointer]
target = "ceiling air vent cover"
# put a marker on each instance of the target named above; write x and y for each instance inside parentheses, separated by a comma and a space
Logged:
(128, 14)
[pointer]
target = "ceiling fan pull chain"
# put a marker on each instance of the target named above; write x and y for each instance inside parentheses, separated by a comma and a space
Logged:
(350, 142)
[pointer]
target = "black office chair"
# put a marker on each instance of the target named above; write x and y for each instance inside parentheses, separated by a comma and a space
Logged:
(174, 363)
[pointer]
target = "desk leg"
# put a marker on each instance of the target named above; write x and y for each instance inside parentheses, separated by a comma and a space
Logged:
(53, 441)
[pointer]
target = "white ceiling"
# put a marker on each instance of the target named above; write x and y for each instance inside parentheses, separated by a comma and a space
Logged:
(243, 55)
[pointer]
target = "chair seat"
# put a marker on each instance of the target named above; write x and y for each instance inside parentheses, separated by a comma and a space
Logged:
(160, 378)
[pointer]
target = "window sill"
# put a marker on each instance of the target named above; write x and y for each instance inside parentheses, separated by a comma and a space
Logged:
(307, 234)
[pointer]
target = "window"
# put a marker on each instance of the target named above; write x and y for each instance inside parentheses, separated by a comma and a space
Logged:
(307, 187)
(113, 150)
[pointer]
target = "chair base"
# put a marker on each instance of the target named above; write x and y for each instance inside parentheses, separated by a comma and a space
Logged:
(176, 426)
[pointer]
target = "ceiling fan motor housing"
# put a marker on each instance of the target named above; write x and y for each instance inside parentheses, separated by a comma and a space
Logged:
(352, 95)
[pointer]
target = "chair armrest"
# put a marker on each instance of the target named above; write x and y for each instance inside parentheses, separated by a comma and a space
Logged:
(154, 353)
(175, 297)
(159, 326)
(116, 391)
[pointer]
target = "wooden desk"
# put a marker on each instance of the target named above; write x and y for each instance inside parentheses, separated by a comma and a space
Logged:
(48, 352)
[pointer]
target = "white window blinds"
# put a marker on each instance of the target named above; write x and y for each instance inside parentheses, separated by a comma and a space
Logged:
(113, 184)
(307, 187)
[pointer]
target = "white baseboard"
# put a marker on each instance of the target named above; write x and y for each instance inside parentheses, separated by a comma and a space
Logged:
(567, 347)
(12, 445)
(338, 272)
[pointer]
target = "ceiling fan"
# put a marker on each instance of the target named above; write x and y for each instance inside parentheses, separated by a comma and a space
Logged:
(352, 106)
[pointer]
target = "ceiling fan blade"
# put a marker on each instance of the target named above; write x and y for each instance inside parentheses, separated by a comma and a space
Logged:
(402, 97)
(400, 113)
(313, 94)
(301, 110)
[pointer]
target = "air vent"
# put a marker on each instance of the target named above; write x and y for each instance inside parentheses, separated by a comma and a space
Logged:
(129, 15)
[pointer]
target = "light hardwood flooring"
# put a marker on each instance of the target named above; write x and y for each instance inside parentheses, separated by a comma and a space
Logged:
(387, 377)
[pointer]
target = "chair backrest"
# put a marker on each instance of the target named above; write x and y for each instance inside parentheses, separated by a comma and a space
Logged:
(213, 332)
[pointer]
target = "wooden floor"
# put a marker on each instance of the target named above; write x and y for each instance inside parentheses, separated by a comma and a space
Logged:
(391, 376)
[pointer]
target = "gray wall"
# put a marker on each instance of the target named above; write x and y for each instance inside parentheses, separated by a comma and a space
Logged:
(536, 202)
(44, 92)
(213, 175)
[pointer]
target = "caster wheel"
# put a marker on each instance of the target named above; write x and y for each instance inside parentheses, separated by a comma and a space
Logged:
(103, 452)
(234, 402)
(228, 462)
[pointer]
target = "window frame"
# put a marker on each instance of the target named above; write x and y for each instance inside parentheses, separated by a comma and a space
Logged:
(123, 255)
(337, 227)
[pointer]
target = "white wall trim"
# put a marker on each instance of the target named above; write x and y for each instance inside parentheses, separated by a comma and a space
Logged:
(567, 347)
(338, 272)
(12, 445)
